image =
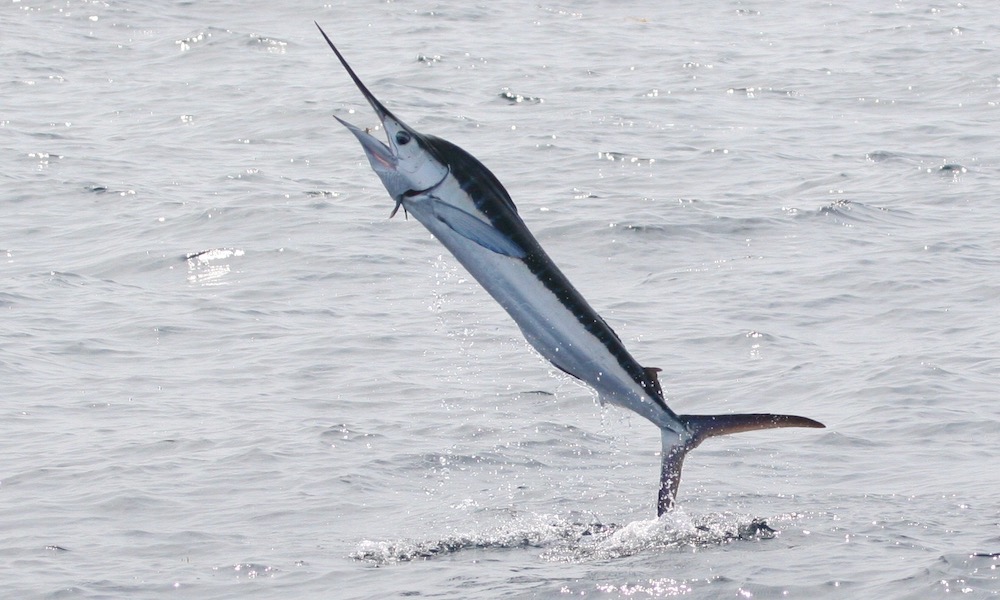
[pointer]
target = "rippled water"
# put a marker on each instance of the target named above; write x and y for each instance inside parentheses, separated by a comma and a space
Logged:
(226, 374)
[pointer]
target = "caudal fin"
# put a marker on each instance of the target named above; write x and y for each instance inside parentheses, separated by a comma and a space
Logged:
(698, 429)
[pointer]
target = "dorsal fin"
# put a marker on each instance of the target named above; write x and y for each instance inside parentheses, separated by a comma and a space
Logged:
(652, 383)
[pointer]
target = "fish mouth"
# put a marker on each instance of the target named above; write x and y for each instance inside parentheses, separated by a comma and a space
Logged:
(379, 153)
(381, 156)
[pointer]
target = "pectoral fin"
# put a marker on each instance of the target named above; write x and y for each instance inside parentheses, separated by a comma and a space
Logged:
(477, 230)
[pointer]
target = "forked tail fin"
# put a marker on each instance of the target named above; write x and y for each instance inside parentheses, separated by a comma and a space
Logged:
(698, 429)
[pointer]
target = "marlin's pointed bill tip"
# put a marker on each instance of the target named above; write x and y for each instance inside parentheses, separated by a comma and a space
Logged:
(323, 33)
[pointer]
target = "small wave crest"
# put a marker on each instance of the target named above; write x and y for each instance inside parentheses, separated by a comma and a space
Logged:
(564, 540)
(209, 267)
(516, 98)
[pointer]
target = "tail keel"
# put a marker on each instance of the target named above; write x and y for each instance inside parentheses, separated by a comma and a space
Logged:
(698, 429)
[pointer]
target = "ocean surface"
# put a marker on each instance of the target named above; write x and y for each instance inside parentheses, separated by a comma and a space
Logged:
(226, 373)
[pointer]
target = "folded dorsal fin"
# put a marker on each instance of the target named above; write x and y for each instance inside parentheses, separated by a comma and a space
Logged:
(652, 383)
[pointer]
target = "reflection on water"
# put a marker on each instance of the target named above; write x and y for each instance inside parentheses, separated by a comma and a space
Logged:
(209, 267)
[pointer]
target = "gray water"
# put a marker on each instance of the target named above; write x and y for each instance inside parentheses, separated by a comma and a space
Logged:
(225, 373)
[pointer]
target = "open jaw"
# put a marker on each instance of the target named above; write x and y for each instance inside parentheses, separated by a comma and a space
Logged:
(379, 154)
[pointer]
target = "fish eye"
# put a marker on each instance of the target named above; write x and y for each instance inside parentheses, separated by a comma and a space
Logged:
(403, 138)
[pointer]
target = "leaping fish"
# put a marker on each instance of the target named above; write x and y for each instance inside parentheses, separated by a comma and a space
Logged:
(468, 210)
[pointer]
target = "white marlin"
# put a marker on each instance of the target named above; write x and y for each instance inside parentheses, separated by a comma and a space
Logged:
(468, 210)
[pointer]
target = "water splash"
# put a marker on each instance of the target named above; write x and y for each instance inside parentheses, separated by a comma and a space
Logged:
(563, 540)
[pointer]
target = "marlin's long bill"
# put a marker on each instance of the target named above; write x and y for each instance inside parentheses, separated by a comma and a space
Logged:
(468, 210)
